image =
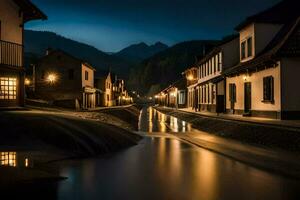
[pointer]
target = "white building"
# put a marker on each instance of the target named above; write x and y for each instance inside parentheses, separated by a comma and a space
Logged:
(265, 81)
(211, 85)
(13, 15)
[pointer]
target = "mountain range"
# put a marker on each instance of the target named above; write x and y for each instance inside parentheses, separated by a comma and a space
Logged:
(164, 68)
(138, 52)
(148, 68)
(37, 42)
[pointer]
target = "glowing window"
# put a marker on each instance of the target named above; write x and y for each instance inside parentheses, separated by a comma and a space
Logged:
(9, 159)
(8, 88)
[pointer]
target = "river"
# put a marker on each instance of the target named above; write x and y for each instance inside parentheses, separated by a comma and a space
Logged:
(162, 167)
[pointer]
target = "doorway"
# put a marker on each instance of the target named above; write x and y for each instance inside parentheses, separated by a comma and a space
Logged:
(247, 97)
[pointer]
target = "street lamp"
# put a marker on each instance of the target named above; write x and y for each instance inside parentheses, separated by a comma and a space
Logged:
(52, 78)
(190, 77)
(27, 82)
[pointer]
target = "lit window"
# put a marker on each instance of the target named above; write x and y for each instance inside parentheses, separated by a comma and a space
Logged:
(8, 88)
(9, 159)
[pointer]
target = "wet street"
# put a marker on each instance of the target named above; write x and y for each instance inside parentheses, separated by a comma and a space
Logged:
(166, 168)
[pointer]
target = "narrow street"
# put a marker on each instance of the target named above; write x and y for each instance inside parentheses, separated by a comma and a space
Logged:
(164, 167)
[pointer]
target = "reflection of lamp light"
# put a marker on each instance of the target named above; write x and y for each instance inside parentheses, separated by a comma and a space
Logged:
(51, 78)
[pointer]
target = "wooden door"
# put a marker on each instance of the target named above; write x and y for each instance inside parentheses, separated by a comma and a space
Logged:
(247, 97)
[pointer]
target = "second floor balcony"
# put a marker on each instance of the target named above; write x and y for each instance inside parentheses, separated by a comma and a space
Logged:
(11, 54)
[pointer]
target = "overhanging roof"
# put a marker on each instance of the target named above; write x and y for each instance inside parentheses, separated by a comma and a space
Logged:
(31, 12)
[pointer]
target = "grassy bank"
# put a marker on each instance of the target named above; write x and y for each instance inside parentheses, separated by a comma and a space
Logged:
(250, 133)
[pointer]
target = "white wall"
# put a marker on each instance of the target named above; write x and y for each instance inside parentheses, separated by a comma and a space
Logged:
(256, 80)
(90, 81)
(10, 22)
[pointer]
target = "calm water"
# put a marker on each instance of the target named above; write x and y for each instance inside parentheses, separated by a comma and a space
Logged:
(167, 169)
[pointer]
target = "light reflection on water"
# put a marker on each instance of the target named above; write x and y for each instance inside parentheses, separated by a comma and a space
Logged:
(152, 121)
(163, 168)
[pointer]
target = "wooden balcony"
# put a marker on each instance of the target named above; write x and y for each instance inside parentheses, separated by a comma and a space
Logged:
(11, 54)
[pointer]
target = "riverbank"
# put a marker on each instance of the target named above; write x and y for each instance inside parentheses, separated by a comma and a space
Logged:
(275, 137)
(230, 139)
(60, 134)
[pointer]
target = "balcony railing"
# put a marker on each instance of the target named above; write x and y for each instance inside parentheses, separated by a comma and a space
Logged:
(11, 54)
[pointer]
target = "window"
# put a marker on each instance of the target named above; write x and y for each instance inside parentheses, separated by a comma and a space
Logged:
(214, 65)
(181, 99)
(232, 92)
(71, 74)
(268, 89)
(243, 50)
(86, 75)
(249, 46)
(217, 63)
(43, 75)
(8, 88)
(220, 62)
(209, 67)
(8, 159)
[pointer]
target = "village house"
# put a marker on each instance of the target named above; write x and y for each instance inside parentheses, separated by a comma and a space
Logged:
(210, 84)
(121, 95)
(264, 83)
(192, 82)
(13, 15)
(104, 83)
(174, 96)
(65, 80)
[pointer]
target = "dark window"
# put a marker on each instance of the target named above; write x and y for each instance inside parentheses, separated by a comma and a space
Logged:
(250, 47)
(269, 88)
(71, 74)
(86, 75)
(43, 74)
(232, 92)
(243, 50)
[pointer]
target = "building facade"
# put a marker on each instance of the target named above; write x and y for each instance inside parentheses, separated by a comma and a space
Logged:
(264, 83)
(105, 86)
(13, 15)
(211, 84)
(65, 80)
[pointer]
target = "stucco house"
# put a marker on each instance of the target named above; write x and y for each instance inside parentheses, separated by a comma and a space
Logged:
(104, 84)
(65, 80)
(210, 83)
(265, 81)
(13, 15)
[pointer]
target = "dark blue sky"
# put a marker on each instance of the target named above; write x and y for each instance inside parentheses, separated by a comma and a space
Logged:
(111, 25)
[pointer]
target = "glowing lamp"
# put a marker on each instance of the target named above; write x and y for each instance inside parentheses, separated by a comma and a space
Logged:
(190, 77)
(51, 78)
(27, 82)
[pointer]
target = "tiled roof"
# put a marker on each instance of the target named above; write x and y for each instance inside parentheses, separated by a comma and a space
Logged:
(284, 11)
(31, 12)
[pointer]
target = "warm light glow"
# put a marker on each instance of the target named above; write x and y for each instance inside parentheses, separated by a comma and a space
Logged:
(190, 77)
(9, 159)
(156, 96)
(52, 78)
(26, 162)
(27, 81)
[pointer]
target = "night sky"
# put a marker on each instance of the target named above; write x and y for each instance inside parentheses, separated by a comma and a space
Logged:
(111, 25)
